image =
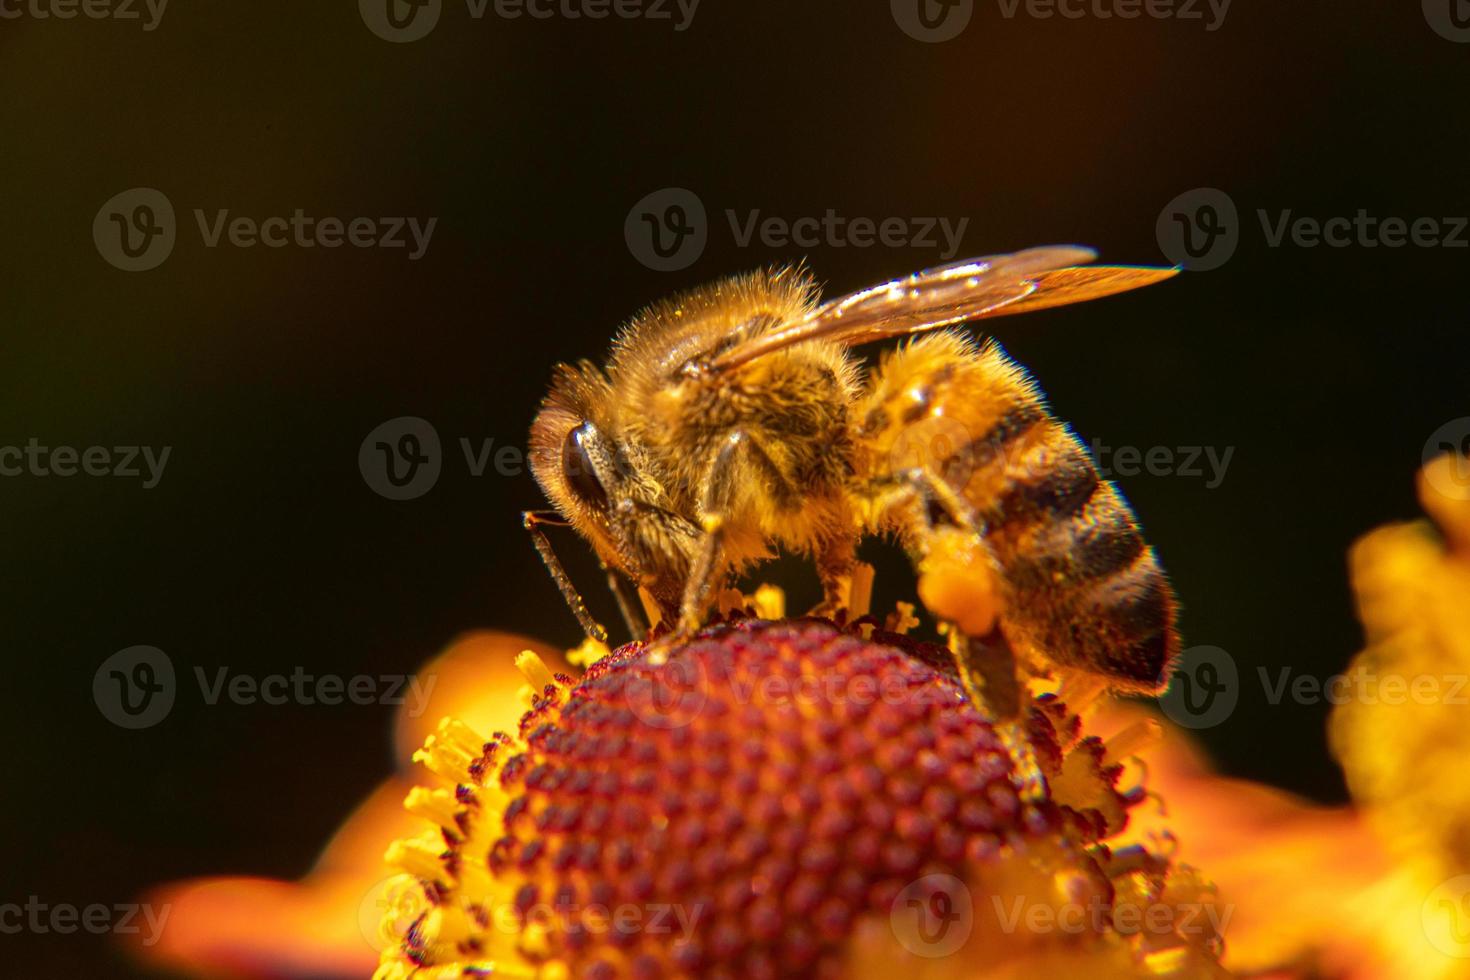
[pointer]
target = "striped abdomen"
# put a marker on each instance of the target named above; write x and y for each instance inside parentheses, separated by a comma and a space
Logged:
(1079, 585)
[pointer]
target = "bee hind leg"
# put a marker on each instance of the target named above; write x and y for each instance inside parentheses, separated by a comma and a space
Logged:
(958, 582)
(994, 685)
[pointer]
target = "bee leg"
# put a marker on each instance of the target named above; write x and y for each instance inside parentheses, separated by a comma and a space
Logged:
(985, 661)
(533, 521)
(627, 604)
(702, 575)
(836, 560)
(987, 667)
(716, 502)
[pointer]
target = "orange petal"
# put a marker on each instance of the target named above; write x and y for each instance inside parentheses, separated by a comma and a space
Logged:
(258, 927)
(1292, 875)
(329, 923)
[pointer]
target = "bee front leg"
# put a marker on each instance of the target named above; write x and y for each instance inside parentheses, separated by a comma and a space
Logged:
(533, 521)
(627, 601)
(702, 574)
(737, 455)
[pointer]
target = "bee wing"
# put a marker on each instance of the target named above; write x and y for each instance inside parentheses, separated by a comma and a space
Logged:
(991, 286)
(1077, 285)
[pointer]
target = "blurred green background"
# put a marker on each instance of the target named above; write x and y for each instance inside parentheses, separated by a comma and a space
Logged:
(262, 547)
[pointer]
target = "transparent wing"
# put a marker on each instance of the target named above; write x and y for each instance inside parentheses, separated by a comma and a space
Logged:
(1064, 286)
(991, 286)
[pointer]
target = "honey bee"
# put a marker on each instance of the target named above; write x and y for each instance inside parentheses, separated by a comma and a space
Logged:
(735, 418)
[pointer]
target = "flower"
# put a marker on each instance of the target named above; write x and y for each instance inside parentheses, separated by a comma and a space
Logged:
(842, 826)
(780, 799)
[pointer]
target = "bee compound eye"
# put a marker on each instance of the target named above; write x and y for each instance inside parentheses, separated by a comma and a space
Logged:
(577, 469)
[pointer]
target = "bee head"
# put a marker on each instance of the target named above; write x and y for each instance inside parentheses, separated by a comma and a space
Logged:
(604, 486)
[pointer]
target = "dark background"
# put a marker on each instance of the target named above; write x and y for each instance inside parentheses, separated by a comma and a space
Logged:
(263, 549)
